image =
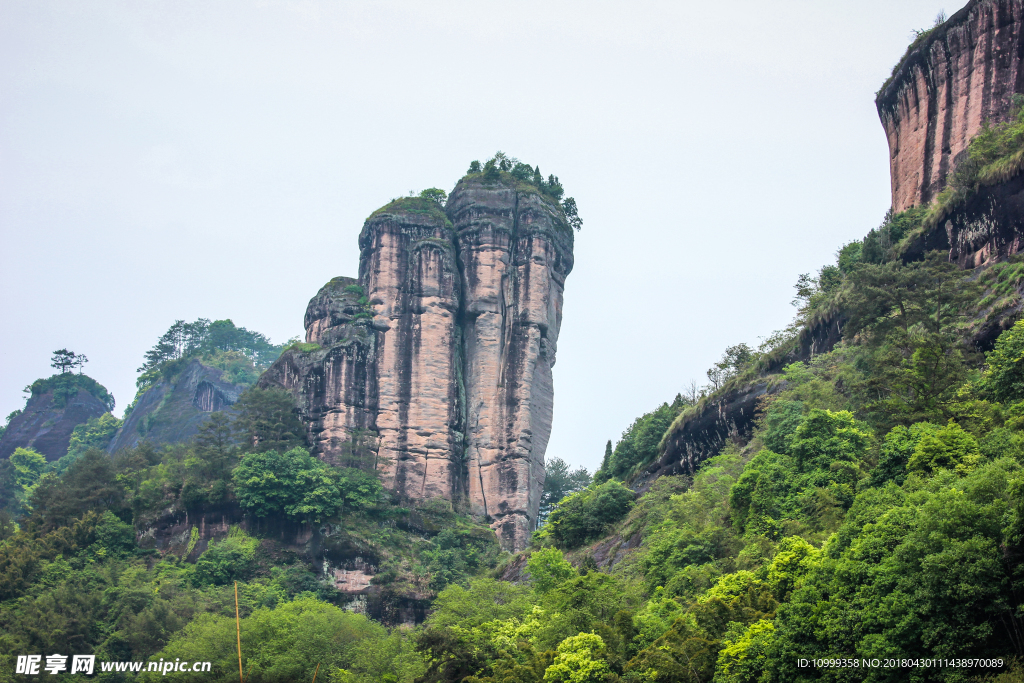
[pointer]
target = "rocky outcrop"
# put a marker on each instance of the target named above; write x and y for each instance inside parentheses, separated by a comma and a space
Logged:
(173, 410)
(986, 228)
(702, 431)
(46, 423)
(435, 366)
(961, 75)
(516, 252)
(334, 376)
(408, 267)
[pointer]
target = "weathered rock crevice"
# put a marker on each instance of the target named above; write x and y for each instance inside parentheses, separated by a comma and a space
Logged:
(174, 409)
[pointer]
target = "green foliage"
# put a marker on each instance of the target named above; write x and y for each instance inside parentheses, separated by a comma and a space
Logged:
(435, 195)
(114, 538)
(229, 560)
(886, 242)
(914, 358)
(242, 354)
(781, 421)
(559, 482)
(238, 368)
(876, 511)
(549, 569)
(897, 447)
(25, 555)
(911, 573)
(741, 660)
(89, 484)
(812, 483)
(583, 516)
(452, 642)
(28, 466)
(580, 659)
(456, 555)
(425, 206)
(302, 347)
(525, 177)
(848, 256)
(205, 339)
(281, 644)
(66, 386)
(945, 447)
(65, 360)
(267, 420)
(292, 483)
(1004, 377)
(639, 443)
(215, 449)
(994, 155)
(97, 432)
(931, 294)
(572, 213)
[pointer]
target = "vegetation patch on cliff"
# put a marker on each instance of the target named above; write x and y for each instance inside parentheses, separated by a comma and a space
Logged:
(994, 155)
(528, 179)
(65, 386)
(425, 206)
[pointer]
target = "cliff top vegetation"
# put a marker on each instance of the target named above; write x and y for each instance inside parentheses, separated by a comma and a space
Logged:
(526, 178)
(427, 204)
(65, 385)
(242, 354)
(501, 168)
(923, 38)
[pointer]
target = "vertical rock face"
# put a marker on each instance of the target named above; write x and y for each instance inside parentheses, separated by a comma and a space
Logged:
(436, 364)
(963, 74)
(334, 375)
(516, 253)
(408, 266)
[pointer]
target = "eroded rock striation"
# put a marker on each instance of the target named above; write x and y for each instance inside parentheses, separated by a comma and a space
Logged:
(964, 73)
(436, 363)
(173, 410)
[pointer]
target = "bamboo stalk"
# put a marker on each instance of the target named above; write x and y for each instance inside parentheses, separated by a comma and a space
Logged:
(238, 632)
(315, 672)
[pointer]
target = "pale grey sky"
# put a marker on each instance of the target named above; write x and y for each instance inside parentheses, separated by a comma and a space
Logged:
(164, 160)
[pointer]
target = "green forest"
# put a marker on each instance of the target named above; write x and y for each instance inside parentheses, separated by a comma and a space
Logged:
(874, 512)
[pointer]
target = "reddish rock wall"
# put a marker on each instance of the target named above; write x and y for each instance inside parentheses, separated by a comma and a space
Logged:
(407, 266)
(437, 363)
(516, 254)
(335, 383)
(964, 73)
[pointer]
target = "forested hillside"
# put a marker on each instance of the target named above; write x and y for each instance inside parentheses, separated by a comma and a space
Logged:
(844, 502)
(873, 511)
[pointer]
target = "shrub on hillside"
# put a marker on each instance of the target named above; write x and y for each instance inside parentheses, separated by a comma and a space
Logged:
(586, 515)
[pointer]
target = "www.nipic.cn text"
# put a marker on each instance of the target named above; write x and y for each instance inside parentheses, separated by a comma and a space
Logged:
(33, 665)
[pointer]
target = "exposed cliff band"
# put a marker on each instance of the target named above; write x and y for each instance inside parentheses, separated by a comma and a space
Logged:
(437, 362)
(962, 74)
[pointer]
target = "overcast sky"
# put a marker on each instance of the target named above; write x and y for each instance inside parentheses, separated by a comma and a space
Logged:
(166, 160)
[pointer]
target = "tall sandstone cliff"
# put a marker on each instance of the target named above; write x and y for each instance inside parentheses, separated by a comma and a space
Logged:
(436, 362)
(961, 75)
